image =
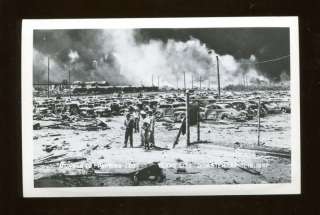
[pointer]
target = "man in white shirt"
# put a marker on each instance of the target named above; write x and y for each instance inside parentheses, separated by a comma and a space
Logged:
(144, 132)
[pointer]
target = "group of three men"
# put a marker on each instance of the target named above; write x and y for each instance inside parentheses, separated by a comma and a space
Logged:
(147, 123)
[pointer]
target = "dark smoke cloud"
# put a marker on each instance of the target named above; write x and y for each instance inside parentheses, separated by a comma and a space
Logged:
(95, 63)
(133, 56)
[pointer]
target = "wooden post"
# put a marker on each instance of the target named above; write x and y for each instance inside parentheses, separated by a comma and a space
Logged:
(218, 76)
(198, 122)
(48, 76)
(188, 118)
(152, 80)
(259, 122)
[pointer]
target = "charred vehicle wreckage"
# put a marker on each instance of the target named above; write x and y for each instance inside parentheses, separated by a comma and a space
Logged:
(95, 121)
(74, 111)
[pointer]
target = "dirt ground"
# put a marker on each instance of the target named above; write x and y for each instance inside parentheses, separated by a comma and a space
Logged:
(215, 161)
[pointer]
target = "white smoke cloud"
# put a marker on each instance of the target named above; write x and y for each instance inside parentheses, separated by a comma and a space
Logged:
(170, 59)
(117, 57)
(73, 56)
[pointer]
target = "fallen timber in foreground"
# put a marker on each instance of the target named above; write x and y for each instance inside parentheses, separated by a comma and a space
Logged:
(83, 124)
(51, 161)
(150, 171)
(249, 170)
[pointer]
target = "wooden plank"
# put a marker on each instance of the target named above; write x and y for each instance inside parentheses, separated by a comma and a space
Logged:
(249, 170)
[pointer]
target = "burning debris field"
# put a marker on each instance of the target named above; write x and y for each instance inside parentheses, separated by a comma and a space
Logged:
(241, 137)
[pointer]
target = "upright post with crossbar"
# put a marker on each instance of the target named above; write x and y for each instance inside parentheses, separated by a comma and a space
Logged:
(188, 117)
(48, 76)
(198, 122)
(259, 106)
(218, 73)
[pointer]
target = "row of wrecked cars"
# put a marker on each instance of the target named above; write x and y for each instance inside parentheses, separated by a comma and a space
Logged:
(230, 106)
(166, 106)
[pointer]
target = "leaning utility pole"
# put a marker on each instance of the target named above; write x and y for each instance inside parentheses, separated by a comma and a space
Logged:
(218, 76)
(48, 76)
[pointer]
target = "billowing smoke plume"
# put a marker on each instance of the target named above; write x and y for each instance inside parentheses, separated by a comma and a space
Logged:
(116, 56)
(80, 52)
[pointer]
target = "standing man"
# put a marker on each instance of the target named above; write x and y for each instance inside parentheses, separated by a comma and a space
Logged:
(136, 116)
(129, 125)
(144, 132)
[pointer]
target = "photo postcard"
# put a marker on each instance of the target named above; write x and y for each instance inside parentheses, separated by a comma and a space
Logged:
(160, 107)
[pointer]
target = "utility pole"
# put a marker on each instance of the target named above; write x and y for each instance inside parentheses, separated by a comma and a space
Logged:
(242, 80)
(218, 76)
(48, 76)
(191, 81)
(200, 81)
(152, 80)
(177, 83)
(198, 122)
(158, 83)
(187, 118)
(247, 81)
(259, 104)
(69, 83)
(184, 80)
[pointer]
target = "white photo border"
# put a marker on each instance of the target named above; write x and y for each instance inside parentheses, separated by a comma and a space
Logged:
(28, 26)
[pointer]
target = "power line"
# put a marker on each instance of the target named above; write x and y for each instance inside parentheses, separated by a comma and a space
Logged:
(266, 61)
(258, 62)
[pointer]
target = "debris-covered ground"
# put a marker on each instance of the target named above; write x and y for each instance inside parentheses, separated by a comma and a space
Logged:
(86, 148)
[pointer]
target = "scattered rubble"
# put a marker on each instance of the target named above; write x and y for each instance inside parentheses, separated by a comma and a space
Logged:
(54, 127)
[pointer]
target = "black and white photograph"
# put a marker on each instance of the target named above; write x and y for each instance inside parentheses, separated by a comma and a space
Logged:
(154, 107)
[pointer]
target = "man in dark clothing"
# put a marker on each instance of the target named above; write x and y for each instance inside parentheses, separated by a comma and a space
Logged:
(152, 124)
(136, 117)
(129, 125)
